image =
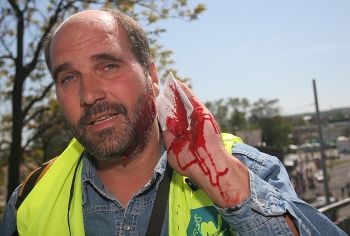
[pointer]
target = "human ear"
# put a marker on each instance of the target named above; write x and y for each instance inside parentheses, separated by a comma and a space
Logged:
(153, 73)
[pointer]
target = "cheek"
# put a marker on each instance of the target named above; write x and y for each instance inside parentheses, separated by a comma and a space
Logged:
(125, 92)
(69, 107)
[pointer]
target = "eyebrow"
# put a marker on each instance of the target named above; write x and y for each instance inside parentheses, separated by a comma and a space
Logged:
(60, 68)
(97, 57)
(105, 56)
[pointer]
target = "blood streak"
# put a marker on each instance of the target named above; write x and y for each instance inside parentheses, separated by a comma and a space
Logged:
(192, 140)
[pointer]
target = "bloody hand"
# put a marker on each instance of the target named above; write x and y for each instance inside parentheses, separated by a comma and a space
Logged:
(198, 152)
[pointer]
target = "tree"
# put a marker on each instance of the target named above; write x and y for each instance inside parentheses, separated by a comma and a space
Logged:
(275, 131)
(231, 114)
(239, 114)
(25, 85)
(51, 134)
(262, 109)
(235, 114)
(220, 111)
(238, 120)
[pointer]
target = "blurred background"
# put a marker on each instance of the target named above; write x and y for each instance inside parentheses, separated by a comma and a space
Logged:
(257, 65)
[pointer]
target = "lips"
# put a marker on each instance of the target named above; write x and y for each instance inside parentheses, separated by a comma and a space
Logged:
(101, 118)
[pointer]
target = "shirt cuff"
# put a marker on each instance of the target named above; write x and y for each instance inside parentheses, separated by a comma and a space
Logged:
(264, 203)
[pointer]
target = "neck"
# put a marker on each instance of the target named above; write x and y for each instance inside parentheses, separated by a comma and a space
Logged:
(134, 171)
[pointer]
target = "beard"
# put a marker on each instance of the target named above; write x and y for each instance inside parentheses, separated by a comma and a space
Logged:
(128, 137)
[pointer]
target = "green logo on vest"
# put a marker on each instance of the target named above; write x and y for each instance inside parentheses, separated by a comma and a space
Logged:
(207, 221)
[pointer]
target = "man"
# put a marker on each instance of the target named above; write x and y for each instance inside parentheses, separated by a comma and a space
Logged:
(107, 182)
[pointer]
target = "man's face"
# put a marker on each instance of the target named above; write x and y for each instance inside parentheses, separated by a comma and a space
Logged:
(104, 93)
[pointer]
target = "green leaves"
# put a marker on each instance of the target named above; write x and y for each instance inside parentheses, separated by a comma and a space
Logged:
(238, 114)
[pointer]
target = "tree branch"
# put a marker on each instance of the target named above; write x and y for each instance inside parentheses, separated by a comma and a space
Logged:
(38, 112)
(40, 131)
(53, 19)
(30, 105)
(41, 14)
(26, 6)
(6, 48)
(15, 7)
(5, 142)
(7, 57)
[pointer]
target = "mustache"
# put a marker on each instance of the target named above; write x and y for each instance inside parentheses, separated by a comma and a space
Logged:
(101, 107)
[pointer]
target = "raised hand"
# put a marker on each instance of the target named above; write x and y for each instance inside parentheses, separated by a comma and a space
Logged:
(200, 154)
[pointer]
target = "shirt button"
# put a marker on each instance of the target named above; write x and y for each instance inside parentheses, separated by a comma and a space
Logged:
(126, 227)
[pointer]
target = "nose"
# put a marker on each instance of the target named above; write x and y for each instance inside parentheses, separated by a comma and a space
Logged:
(91, 90)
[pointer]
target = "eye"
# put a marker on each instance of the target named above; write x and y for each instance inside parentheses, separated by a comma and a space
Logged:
(110, 66)
(67, 79)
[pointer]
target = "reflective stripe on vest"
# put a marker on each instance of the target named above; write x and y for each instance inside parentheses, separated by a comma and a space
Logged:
(44, 211)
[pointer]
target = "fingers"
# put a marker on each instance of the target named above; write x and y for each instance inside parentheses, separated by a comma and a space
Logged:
(193, 99)
(200, 110)
(186, 89)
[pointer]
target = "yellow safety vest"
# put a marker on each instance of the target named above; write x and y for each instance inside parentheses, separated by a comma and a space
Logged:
(45, 210)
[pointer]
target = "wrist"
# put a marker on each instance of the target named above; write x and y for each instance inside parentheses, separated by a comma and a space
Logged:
(226, 182)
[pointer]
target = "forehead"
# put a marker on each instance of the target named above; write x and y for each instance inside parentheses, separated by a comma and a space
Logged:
(92, 19)
(84, 32)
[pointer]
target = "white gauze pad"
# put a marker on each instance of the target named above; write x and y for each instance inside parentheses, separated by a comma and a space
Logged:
(166, 102)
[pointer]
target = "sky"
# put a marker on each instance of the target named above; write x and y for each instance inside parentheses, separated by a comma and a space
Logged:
(270, 49)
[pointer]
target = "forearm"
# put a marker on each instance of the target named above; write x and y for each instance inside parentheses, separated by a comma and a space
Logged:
(273, 204)
(224, 179)
(264, 211)
(227, 183)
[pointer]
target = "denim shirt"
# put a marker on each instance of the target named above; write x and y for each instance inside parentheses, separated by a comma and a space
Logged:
(272, 196)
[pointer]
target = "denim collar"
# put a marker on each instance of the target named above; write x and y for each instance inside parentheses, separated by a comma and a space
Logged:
(89, 175)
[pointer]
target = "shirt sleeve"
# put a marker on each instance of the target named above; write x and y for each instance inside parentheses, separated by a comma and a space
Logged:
(8, 222)
(272, 196)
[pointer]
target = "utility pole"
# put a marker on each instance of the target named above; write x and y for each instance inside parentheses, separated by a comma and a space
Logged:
(323, 156)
